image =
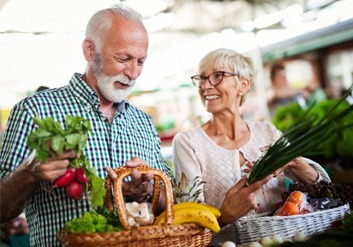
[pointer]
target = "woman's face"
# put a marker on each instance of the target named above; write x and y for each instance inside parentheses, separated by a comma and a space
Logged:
(222, 97)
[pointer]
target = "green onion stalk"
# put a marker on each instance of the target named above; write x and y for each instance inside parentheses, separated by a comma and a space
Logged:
(300, 139)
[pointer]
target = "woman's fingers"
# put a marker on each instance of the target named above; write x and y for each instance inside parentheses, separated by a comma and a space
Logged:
(258, 184)
(246, 168)
(265, 148)
(241, 183)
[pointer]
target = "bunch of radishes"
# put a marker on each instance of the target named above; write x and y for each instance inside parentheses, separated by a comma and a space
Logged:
(80, 177)
(74, 181)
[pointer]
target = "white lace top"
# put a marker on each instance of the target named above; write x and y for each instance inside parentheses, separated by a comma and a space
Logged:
(196, 154)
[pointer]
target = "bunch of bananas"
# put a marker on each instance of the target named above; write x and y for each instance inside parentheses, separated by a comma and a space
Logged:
(193, 212)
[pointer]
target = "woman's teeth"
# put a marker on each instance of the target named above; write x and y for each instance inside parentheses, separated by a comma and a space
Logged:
(208, 97)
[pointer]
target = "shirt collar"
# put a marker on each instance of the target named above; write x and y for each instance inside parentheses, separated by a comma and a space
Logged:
(89, 96)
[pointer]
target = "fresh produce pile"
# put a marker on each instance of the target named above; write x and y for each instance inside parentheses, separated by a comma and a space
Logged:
(306, 198)
(98, 220)
(183, 192)
(80, 177)
(335, 193)
(186, 209)
(193, 212)
(339, 236)
(299, 140)
(339, 145)
(296, 203)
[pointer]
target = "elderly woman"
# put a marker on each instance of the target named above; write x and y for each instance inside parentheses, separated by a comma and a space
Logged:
(223, 149)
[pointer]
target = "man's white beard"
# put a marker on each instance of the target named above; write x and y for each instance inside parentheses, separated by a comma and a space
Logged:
(106, 83)
(108, 90)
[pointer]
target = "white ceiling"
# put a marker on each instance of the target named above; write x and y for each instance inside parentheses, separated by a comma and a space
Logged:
(40, 40)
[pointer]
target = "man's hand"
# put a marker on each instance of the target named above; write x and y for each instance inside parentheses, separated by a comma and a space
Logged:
(17, 226)
(55, 166)
(140, 186)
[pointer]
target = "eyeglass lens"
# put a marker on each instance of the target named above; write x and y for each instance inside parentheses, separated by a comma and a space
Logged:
(214, 78)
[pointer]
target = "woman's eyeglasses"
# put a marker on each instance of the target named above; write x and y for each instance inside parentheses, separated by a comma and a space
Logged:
(214, 78)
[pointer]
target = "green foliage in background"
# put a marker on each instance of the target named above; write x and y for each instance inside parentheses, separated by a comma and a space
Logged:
(338, 145)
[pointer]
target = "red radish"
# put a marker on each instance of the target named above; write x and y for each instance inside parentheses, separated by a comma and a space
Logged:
(81, 176)
(74, 190)
(65, 179)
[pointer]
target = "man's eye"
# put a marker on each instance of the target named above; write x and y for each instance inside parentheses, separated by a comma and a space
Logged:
(121, 60)
(141, 62)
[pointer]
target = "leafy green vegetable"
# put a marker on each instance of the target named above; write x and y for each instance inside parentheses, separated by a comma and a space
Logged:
(90, 222)
(112, 217)
(340, 144)
(304, 136)
(50, 137)
(342, 193)
(347, 222)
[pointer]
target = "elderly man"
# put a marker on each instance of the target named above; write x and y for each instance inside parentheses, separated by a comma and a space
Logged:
(115, 48)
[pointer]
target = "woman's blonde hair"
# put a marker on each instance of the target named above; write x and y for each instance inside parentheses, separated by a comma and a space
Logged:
(242, 65)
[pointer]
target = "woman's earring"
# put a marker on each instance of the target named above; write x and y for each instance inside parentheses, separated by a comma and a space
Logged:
(240, 94)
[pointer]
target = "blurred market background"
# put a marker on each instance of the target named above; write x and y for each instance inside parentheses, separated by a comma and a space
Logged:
(40, 45)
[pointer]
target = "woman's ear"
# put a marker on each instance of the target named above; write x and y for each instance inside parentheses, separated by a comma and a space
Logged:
(244, 86)
(88, 49)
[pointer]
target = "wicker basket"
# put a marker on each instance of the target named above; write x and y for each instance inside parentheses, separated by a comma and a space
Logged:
(189, 234)
(251, 229)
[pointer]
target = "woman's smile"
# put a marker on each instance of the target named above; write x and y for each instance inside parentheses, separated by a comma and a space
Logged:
(212, 97)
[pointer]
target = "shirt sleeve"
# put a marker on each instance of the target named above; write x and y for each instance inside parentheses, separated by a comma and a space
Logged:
(184, 160)
(14, 147)
(323, 176)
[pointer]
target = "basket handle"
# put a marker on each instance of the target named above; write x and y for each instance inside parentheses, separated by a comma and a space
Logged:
(123, 172)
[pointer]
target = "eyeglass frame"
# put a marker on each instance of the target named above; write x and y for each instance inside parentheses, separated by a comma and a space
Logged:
(204, 78)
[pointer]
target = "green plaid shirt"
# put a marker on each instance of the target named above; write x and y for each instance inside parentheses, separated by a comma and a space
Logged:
(130, 134)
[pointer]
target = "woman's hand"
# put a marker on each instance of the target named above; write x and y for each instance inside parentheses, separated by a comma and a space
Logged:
(140, 187)
(301, 170)
(240, 200)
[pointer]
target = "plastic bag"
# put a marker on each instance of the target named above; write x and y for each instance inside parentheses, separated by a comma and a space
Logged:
(296, 203)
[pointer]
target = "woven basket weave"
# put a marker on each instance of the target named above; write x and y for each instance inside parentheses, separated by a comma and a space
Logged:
(251, 229)
(181, 235)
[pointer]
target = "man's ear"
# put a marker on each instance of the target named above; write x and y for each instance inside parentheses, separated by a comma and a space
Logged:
(88, 49)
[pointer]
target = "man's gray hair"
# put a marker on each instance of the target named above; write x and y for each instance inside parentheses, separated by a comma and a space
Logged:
(101, 21)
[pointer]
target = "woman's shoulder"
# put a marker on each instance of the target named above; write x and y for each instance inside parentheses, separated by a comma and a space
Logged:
(190, 133)
(261, 126)
(264, 130)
